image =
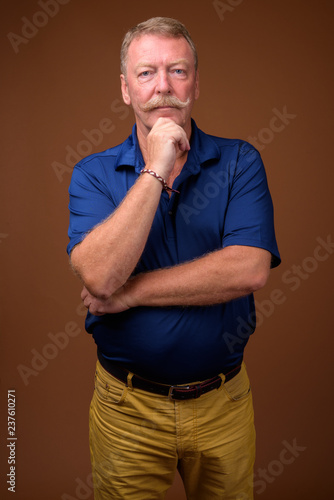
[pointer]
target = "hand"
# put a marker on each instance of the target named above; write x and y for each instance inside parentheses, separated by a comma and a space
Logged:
(165, 142)
(114, 304)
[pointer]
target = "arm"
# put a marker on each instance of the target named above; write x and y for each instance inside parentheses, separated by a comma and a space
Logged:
(105, 259)
(218, 277)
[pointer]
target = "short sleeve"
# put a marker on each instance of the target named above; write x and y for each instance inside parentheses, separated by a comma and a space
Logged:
(90, 203)
(250, 216)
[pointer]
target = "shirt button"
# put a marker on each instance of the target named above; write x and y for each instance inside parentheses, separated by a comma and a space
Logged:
(170, 213)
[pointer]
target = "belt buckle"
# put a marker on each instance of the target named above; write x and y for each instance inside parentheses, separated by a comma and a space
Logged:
(173, 390)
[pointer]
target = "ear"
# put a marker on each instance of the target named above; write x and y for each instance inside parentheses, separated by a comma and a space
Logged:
(125, 92)
(197, 85)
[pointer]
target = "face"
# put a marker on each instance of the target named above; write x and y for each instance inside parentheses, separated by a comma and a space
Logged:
(160, 67)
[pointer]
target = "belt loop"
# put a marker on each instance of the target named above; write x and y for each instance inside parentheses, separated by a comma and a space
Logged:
(129, 381)
(222, 376)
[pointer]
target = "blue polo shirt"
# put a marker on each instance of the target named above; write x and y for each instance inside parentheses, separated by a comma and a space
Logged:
(224, 200)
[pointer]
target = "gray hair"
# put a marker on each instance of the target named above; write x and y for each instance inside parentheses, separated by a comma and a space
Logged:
(164, 26)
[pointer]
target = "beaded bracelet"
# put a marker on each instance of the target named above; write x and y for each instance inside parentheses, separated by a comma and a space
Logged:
(163, 182)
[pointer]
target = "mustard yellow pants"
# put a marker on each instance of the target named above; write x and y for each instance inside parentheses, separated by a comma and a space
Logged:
(138, 440)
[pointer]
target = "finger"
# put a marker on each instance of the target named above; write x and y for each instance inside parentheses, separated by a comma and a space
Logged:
(181, 138)
(98, 313)
(88, 300)
(96, 309)
(183, 144)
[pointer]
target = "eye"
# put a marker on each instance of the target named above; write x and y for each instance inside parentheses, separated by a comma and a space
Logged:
(145, 73)
(179, 72)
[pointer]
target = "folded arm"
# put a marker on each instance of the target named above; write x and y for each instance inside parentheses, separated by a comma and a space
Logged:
(215, 278)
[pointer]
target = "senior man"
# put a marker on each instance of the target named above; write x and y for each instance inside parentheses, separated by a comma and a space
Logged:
(171, 232)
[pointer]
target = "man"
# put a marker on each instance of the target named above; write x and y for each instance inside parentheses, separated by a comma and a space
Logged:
(170, 232)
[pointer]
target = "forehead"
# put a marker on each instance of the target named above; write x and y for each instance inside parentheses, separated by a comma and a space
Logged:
(159, 49)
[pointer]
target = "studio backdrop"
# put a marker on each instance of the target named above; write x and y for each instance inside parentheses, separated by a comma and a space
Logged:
(266, 76)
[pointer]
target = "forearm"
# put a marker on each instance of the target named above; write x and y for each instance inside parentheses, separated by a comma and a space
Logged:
(107, 256)
(109, 253)
(213, 279)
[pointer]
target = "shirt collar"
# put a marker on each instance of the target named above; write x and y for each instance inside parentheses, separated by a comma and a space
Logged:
(203, 149)
(130, 153)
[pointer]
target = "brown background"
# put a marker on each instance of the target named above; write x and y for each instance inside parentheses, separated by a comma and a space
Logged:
(255, 57)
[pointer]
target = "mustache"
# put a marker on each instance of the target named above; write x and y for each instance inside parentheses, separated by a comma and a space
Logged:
(166, 100)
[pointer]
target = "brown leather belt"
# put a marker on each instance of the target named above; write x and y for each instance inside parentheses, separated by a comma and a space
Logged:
(183, 392)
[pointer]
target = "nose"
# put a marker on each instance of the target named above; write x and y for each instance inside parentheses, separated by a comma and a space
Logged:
(163, 84)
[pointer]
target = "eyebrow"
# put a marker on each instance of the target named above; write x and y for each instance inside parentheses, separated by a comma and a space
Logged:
(173, 63)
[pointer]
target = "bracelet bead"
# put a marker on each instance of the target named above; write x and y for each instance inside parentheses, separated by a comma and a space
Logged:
(165, 187)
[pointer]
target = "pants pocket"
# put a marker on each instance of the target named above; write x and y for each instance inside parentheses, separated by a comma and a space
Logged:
(239, 386)
(108, 389)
